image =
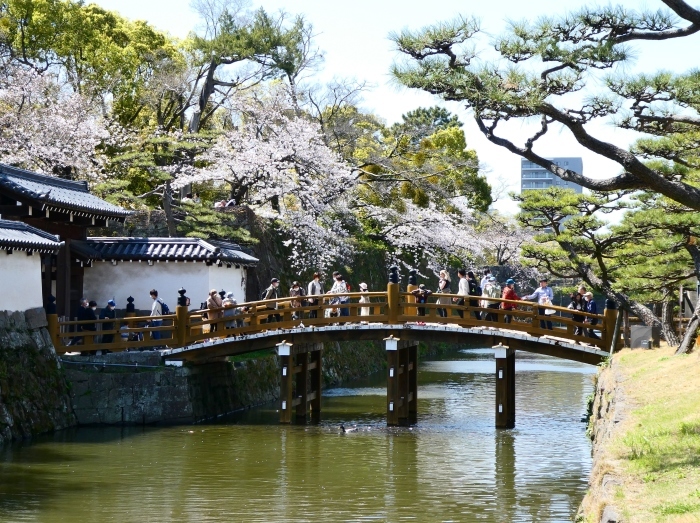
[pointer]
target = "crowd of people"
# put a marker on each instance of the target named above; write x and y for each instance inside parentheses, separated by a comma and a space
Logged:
(481, 294)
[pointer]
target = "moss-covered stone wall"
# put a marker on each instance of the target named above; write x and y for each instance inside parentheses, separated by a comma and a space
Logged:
(33, 390)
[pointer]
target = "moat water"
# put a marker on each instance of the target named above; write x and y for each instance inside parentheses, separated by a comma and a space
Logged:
(453, 466)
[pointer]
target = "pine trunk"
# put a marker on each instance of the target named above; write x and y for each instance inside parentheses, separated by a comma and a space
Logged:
(168, 209)
(691, 331)
(667, 323)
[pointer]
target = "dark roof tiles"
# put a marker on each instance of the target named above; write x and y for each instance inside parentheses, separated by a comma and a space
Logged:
(22, 237)
(164, 249)
(56, 193)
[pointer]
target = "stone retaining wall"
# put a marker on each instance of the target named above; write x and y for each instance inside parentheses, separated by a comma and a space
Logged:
(137, 388)
(609, 409)
(33, 391)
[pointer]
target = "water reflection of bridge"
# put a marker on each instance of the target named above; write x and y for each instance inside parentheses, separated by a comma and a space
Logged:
(298, 334)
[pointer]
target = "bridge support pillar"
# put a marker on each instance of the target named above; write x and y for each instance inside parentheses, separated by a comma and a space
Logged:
(300, 380)
(402, 382)
(505, 387)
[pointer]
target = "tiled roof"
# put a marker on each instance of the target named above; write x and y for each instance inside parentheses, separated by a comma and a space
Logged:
(170, 249)
(57, 194)
(22, 237)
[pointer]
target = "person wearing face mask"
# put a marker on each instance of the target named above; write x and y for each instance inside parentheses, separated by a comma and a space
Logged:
(109, 312)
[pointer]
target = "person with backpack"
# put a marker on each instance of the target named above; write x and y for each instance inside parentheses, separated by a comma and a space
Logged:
(509, 294)
(272, 293)
(474, 290)
(491, 290)
(422, 294)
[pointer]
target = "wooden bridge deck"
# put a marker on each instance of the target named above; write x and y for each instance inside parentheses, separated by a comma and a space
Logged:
(550, 345)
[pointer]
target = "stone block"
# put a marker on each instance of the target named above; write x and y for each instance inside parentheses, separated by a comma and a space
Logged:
(111, 415)
(17, 321)
(87, 416)
(35, 318)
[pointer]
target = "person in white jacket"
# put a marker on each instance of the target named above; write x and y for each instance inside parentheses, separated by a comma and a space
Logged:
(544, 296)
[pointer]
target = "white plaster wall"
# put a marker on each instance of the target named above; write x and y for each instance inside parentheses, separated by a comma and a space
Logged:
(21, 281)
(104, 281)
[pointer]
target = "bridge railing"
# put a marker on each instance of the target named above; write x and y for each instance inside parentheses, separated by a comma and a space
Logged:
(524, 317)
(135, 332)
(388, 307)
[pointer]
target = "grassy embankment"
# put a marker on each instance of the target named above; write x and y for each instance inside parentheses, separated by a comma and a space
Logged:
(656, 448)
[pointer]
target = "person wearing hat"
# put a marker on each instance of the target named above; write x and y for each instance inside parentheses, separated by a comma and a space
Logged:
(364, 311)
(509, 294)
(421, 293)
(591, 308)
(214, 304)
(544, 296)
(272, 293)
(109, 312)
(296, 293)
(491, 290)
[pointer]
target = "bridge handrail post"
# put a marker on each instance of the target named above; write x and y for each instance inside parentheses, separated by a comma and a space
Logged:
(609, 320)
(182, 320)
(392, 296)
(52, 320)
(412, 286)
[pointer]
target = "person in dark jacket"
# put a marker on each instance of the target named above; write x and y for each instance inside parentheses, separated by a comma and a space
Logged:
(273, 293)
(109, 312)
(591, 308)
(421, 294)
(577, 304)
(474, 290)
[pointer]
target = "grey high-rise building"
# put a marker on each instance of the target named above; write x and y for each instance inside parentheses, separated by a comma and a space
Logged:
(532, 176)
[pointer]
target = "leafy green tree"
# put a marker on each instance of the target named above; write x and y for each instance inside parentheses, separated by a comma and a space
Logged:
(543, 63)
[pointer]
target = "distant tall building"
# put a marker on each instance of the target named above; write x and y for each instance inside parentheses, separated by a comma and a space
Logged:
(532, 176)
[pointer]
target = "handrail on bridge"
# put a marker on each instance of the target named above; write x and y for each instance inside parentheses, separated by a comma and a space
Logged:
(391, 307)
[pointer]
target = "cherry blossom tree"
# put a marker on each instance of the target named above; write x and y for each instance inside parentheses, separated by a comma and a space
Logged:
(47, 129)
(276, 162)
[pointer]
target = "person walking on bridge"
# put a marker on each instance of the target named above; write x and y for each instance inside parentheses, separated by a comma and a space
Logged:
(297, 295)
(364, 311)
(108, 312)
(509, 294)
(462, 290)
(214, 304)
(315, 288)
(422, 294)
(273, 293)
(474, 290)
(591, 308)
(491, 290)
(443, 288)
(544, 296)
(341, 288)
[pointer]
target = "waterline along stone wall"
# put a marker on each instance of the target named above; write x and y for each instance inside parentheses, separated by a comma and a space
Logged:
(33, 390)
(136, 388)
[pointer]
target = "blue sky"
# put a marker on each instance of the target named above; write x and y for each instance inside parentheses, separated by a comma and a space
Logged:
(354, 38)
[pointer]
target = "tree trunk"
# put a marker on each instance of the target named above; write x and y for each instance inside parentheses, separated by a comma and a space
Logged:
(667, 323)
(204, 95)
(691, 331)
(168, 209)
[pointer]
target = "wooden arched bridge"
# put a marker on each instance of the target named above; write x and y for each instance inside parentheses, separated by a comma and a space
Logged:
(392, 316)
